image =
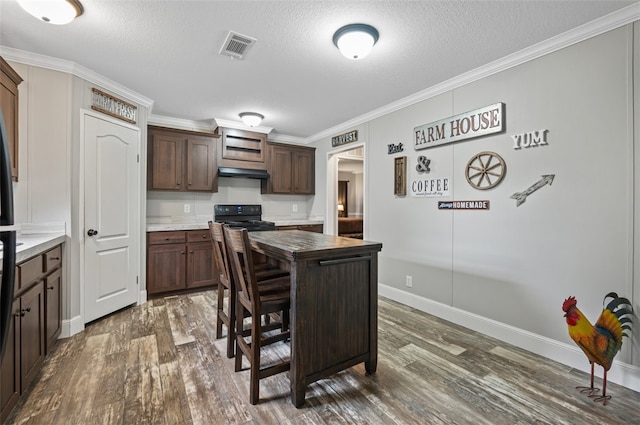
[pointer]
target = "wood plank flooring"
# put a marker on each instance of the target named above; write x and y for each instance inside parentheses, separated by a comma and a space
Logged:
(160, 363)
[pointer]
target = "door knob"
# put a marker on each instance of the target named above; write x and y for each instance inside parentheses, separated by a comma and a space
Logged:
(92, 232)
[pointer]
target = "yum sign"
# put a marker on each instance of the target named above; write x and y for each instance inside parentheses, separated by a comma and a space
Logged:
(479, 122)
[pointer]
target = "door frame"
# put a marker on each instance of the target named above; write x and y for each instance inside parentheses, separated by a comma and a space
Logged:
(80, 228)
(331, 215)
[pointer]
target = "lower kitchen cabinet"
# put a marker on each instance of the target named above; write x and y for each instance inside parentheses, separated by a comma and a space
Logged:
(179, 260)
(36, 322)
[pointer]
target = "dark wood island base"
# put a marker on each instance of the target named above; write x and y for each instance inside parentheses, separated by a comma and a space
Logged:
(334, 302)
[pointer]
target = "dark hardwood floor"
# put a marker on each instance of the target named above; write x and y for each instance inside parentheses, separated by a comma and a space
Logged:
(159, 363)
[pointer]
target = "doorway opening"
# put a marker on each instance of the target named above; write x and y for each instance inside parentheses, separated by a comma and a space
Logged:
(345, 194)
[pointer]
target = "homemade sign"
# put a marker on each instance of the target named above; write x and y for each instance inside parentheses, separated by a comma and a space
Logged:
(479, 122)
(430, 188)
(520, 197)
(531, 139)
(464, 205)
(110, 105)
(345, 138)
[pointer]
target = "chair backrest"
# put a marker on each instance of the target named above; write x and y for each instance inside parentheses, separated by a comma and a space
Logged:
(241, 260)
(220, 253)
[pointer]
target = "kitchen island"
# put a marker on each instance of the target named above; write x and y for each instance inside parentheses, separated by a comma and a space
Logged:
(334, 302)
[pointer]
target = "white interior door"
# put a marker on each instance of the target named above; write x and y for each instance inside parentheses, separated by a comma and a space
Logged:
(111, 195)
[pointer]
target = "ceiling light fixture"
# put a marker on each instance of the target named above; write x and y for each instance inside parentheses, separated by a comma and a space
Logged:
(252, 119)
(58, 12)
(355, 41)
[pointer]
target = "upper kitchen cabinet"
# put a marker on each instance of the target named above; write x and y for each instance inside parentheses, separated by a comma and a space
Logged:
(181, 161)
(291, 170)
(9, 81)
(242, 149)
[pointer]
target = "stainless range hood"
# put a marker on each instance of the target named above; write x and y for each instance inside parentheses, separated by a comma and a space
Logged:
(243, 172)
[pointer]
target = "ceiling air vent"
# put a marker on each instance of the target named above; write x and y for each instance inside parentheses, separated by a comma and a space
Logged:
(236, 45)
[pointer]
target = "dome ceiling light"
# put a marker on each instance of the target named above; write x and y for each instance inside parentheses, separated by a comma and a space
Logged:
(57, 12)
(355, 41)
(252, 119)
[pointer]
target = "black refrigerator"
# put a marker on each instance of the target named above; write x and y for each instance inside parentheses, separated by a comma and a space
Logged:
(7, 237)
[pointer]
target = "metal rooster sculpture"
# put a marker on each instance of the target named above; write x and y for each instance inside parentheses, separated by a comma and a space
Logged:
(600, 342)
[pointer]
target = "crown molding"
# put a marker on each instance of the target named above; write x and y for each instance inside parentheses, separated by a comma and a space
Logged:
(596, 27)
(182, 124)
(73, 68)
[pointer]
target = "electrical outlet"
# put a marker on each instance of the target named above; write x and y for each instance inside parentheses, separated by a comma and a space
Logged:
(409, 281)
(294, 208)
(187, 208)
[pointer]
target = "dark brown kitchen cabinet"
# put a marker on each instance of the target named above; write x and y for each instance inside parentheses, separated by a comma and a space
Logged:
(179, 260)
(181, 161)
(36, 323)
(291, 170)
(9, 81)
(241, 148)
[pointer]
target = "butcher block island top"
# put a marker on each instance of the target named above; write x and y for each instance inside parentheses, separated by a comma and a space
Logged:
(334, 302)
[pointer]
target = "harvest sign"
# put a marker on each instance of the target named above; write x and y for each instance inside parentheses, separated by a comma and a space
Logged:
(480, 122)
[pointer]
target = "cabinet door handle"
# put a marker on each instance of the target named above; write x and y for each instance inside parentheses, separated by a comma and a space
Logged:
(190, 252)
(204, 236)
(54, 258)
(51, 288)
(182, 252)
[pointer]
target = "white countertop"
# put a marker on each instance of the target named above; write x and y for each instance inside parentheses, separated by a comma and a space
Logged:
(33, 240)
(162, 224)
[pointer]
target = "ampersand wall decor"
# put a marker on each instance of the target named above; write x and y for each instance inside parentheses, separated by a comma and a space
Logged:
(423, 164)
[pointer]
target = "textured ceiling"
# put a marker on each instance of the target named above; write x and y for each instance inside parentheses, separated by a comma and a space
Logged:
(168, 51)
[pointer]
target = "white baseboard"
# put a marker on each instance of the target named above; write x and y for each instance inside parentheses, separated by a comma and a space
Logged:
(621, 373)
(142, 297)
(71, 327)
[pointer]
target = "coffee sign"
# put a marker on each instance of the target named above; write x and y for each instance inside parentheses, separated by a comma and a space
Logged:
(476, 123)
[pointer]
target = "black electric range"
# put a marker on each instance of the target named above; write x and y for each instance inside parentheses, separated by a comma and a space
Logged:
(239, 215)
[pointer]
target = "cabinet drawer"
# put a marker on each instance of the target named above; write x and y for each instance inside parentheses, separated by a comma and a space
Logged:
(29, 271)
(198, 236)
(52, 259)
(160, 238)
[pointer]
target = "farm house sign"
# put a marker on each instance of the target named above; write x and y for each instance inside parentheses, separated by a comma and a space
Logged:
(476, 123)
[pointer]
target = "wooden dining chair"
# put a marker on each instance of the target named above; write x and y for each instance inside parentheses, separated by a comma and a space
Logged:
(255, 299)
(226, 288)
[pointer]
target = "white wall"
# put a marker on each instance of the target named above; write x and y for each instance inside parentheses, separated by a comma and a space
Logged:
(510, 268)
(170, 205)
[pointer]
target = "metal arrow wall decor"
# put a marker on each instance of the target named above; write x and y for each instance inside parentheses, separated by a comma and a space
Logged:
(520, 197)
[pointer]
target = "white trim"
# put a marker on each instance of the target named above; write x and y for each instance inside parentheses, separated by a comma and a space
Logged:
(179, 123)
(71, 327)
(73, 68)
(621, 373)
(591, 29)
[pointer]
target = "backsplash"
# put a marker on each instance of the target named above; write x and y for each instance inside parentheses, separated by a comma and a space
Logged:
(230, 191)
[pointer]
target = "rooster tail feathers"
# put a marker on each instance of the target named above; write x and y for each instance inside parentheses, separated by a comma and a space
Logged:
(613, 295)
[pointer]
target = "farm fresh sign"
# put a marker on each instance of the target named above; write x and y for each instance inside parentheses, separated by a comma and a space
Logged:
(480, 122)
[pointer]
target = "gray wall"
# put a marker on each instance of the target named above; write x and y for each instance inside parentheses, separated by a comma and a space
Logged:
(515, 265)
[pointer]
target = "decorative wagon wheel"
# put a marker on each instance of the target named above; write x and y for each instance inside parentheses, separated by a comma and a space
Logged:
(485, 170)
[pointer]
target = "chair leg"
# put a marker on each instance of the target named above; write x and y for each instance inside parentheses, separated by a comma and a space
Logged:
(220, 310)
(231, 333)
(254, 385)
(239, 326)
